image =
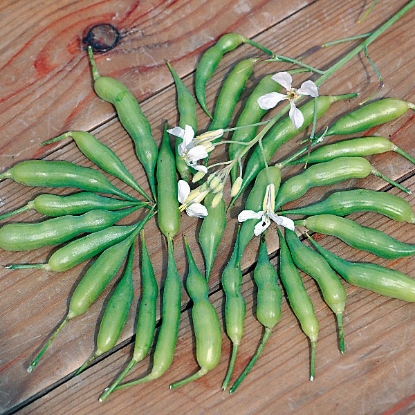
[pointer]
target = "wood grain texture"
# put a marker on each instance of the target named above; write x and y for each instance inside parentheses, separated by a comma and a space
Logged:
(46, 89)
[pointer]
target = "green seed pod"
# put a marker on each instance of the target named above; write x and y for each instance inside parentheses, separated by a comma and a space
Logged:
(369, 116)
(230, 93)
(27, 236)
(205, 323)
(168, 217)
(354, 147)
(268, 311)
(186, 106)
(211, 59)
(343, 203)
(298, 298)
(250, 115)
(211, 231)
(322, 174)
(131, 118)
(373, 277)
(235, 307)
(358, 236)
(102, 156)
(52, 173)
(318, 268)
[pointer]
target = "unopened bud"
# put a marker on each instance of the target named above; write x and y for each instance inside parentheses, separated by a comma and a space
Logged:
(236, 187)
(199, 175)
(210, 135)
(213, 182)
(218, 197)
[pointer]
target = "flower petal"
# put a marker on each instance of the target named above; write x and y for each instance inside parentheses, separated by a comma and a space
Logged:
(296, 116)
(197, 210)
(262, 225)
(282, 221)
(197, 153)
(270, 100)
(284, 79)
(249, 214)
(199, 167)
(177, 131)
(183, 190)
(188, 136)
(308, 88)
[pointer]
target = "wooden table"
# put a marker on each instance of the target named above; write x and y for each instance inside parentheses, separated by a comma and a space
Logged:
(46, 89)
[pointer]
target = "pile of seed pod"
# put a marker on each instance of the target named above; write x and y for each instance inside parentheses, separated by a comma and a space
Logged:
(85, 224)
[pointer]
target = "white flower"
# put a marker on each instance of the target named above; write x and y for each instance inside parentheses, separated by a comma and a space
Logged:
(193, 208)
(187, 149)
(267, 214)
(270, 100)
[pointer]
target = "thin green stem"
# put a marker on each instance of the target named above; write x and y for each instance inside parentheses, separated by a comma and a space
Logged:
(339, 319)
(16, 211)
(114, 385)
(346, 39)
(36, 360)
(232, 361)
(313, 345)
(377, 173)
(265, 338)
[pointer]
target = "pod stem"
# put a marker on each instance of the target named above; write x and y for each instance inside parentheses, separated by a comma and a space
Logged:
(313, 345)
(36, 360)
(403, 153)
(232, 361)
(58, 138)
(259, 46)
(145, 379)
(86, 364)
(27, 266)
(16, 211)
(339, 318)
(264, 340)
(202, 371)
(377, 173)
(117, 381)
(94, 69)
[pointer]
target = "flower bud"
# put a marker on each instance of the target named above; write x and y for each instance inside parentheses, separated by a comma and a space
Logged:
(218, 197)
(236, 186)
(199, 175)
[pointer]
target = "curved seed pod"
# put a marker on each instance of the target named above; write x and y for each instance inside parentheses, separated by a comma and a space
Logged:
(26, 236)
(250, 115)
(102, 156)
(186, 106)
(230, 93)
(318, 268)
(298, 298)
(370, 115)
(373, 277)
(358, 236)
(205, 323)
(146, 318)
(131, 118)
(75, 204)
(211, 231)
(60, 173)
(211, 59)
(343, 203)
(268, 311)
(354, 147)
(235, 308)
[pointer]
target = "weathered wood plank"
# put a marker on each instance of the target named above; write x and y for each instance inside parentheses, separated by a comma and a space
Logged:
(33, 302)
